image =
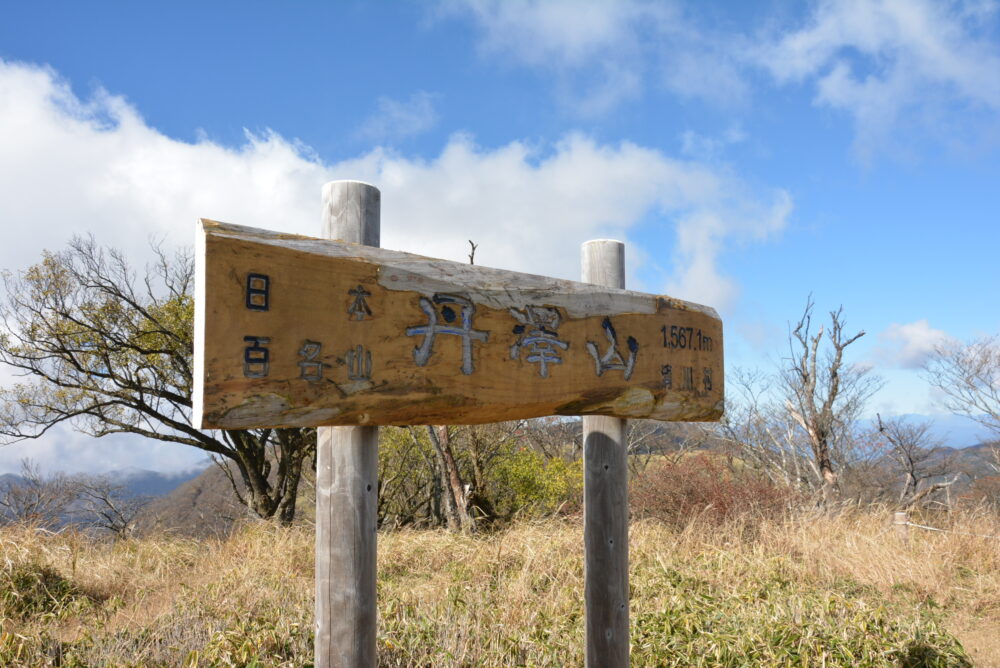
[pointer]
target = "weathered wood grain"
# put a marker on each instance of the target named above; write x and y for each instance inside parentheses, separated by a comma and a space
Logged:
(347, 484)
(358, 335)
(605, 500)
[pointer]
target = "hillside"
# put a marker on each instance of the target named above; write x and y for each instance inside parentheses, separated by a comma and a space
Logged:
(977, 460)
(206, 505)
(202, 506)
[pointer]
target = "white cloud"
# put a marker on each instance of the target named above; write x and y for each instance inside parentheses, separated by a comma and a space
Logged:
(893, 62)
(72, 166)
(763, 336)
(561, 32)
(706, 147)
(703, 233)
(398, 120)
(705, 67)
(903, 70)
(530, 212)
(909, 345)
(604, 53)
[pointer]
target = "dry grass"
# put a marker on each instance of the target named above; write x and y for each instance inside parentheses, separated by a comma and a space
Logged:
(820, 591)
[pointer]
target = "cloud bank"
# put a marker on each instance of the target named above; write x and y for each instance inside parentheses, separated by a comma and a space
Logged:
(902, 70)
(604, 53)
(914, 63)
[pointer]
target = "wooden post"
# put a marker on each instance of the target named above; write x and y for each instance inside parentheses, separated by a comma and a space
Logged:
(902, 523)
(605, 501)
(347, 483)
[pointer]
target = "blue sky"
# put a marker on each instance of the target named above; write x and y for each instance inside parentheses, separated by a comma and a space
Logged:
(749, 153)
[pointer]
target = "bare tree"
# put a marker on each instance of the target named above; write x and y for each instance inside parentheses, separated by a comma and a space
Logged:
(968, 376)
(106, 352)
(669, 441)
(764, 435)
(916, 453)
(37, 499)
(456, 492)
(110, 506)
(554, 436)
(823, 394)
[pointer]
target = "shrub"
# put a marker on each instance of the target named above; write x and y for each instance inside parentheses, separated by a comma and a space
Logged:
(984, 491)
(30, 588)
(527, 483)
(704, 487)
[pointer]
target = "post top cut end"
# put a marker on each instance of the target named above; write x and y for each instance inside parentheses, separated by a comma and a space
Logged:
(330, 184)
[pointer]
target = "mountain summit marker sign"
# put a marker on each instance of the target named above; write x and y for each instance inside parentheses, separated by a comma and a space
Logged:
(297, 331)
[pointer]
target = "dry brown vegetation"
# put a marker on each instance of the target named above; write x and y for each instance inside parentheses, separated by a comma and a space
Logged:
(839, 590)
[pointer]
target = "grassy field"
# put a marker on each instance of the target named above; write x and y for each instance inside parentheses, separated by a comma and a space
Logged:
(838, 591)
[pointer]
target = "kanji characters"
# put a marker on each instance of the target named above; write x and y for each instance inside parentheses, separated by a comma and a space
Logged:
(612, 357)
(537, 332)
(256, 357)
(359, 363)
(258, 292)
(310, 366)
(359, 308)
(462, 328)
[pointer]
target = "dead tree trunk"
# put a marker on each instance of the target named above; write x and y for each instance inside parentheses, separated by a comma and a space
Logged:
(456, 499)
(824, 394)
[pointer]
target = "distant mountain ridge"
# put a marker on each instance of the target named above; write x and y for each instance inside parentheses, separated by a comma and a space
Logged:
(139, 482)
(957, 431)
(953, 431)
(144, 482)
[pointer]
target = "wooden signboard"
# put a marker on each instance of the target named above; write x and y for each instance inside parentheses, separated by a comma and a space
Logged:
(296, 331)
